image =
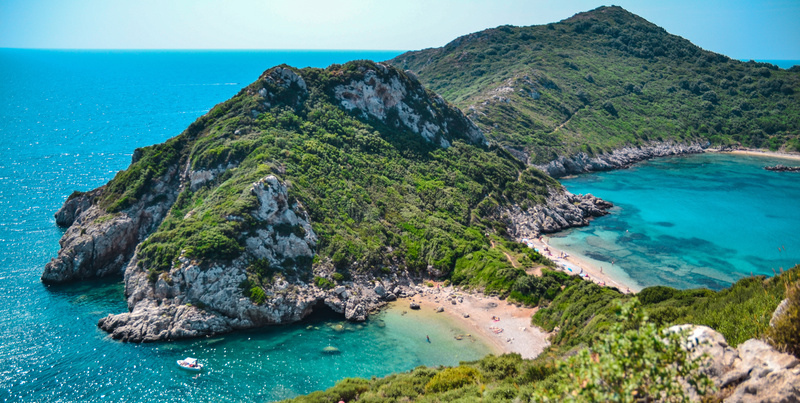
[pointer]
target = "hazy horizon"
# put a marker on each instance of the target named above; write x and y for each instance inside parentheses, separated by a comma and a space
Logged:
(740, 29)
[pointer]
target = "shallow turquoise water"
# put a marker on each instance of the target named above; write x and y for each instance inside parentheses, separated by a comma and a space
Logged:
(692, 221)
(69, 120)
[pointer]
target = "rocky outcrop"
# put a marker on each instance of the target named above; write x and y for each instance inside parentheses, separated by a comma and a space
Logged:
(562, 210)
(196, 298)
(782, 168)
(98, 243)
(619, 158)
(76, 204)
(382, 92)
(753, 372)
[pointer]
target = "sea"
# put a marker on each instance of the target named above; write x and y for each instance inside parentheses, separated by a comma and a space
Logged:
(69, 120)
(703, 220)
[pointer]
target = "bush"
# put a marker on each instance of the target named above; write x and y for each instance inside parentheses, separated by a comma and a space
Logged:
(323, 283)
(784, 334)
(453, 378)
(257, 295)
(642, 364)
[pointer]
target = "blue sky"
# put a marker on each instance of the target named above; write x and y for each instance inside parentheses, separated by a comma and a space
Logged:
(742, 29)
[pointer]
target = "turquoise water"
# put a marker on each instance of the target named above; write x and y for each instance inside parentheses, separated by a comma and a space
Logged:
(691, 221)
(69, 120)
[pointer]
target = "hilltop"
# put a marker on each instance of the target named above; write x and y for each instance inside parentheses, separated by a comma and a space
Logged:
(607, 80)
(331, 187)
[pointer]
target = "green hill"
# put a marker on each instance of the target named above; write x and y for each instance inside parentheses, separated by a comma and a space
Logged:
(605, 79)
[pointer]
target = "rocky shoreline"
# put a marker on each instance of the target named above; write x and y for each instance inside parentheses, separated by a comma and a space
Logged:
(561, 211)
(202, 298)
(782, 168)
(619, 158)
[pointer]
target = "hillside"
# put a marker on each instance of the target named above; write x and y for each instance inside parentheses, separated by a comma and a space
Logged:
(307, 189)
(607, 79)
(606, 349)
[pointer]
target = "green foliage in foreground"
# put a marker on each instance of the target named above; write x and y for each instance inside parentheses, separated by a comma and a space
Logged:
(625, 365)
(605, 79)
(584, 311)
(785, 332)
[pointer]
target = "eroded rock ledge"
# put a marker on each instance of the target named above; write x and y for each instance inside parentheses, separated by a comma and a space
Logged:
(619, 158)
(98, 243)
(561, 211)
(753, 372)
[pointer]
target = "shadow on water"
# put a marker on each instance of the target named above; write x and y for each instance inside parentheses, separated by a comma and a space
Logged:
(105, 291)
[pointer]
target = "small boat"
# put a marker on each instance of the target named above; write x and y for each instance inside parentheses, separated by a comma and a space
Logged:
(190, 364)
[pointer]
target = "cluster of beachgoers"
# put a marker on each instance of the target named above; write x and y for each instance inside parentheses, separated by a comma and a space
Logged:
(504, 326)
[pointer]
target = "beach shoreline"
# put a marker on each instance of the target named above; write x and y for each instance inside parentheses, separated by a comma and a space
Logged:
(576, 266)
(763, 153)
(502, 326)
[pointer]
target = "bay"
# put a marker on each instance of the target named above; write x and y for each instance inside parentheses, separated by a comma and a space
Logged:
(69, 120)
(702, 220)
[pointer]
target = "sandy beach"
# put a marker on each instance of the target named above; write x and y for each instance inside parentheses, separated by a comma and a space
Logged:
(503, 326)
(794, 157)
(580, 267)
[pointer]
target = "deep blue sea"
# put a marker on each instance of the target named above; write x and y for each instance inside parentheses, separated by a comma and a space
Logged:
(692, 221)
(69, 120)
(784, 64)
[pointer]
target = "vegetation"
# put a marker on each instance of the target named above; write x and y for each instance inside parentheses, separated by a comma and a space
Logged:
(378, 195)
(785, 332)
(634, 362)
(605, 79)
(741, 312)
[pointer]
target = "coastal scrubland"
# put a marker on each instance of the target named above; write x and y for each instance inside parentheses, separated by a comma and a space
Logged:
(607, 346)
(605, 79)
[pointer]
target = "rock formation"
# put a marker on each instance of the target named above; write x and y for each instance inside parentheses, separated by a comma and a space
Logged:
(380, 93)
(98, 243)
(753, 372)
(562, 210)
(619, 158)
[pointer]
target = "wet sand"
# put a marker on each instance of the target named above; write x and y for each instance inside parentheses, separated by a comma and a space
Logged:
(505, 327)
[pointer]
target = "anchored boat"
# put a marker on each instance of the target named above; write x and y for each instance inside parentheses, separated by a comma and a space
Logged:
(190, 364)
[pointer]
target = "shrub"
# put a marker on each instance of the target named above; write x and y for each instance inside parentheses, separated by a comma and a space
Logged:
(453, 378)
(642, 364)
(323, 283)
(784, 333)
(257, 295)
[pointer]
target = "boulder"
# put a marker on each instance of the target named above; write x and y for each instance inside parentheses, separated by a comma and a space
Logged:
(753, 372)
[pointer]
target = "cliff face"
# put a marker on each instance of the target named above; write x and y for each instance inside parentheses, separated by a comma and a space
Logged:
(309, 188)
(99, 243)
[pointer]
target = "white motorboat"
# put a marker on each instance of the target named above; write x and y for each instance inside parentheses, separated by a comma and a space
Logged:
(190, 364)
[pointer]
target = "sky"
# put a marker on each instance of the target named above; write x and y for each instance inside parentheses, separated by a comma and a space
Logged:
(741, 29)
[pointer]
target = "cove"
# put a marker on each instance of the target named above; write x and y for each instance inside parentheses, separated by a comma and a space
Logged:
(69, 121)
(703, 220)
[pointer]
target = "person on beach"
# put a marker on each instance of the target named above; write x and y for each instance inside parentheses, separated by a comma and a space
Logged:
(428, 338)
